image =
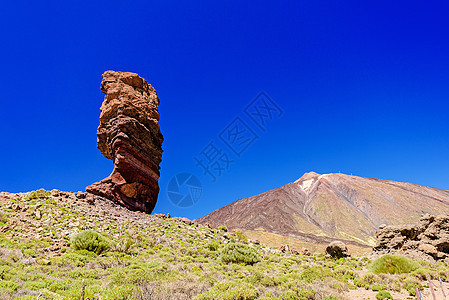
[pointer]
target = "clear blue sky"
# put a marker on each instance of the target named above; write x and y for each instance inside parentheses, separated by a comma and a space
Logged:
(364, 87)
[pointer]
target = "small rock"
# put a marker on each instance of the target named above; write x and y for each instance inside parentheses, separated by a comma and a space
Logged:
(90, 198)
(80, 195)
(285, 248)
(294, 251)
(187, 221)
(428, 249)
(305, 251)
(53, 248)
(55, 193)
(46, 262)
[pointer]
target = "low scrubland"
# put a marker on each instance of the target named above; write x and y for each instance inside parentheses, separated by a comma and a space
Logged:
(56, 245)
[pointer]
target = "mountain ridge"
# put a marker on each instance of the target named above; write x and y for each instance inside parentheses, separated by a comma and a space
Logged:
(323, 207)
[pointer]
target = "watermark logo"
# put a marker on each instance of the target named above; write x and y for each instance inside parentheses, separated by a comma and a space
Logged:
(238, 136)
(213, 161)
(184, 190)
(218, 156)
(262, 110)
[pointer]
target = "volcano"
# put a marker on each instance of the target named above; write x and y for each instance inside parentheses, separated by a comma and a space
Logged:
(321, 208)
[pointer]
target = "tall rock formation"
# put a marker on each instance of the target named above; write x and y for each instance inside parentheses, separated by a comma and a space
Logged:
(129, 134)
(320, 208)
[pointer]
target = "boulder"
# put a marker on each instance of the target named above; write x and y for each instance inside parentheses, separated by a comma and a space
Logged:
(337, 249)
(428, 249)
(305, 251)
(129, 135)
(294, 251)
(284, 248)
(187, 221)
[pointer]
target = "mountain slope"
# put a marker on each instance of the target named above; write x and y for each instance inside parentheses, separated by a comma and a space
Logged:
(161, 258)
(318, 208)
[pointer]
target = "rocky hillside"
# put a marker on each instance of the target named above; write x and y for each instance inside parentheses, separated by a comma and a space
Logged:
(319, 208)
(62, 245)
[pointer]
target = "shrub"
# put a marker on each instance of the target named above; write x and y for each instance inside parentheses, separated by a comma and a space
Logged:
(229, 291)
(124, 246)
(91, 241)
(376, 288)
(241, 236)
(422, 274)
(393, 264)
(239, 253)
(212, 246)
(383, 295)
(8, 286)
(3, 219)
(37, 194)
(259, 278)
(315, 273)
(410, 287)
(300, 294)
(371, 278)
(59, 285)
(361, 283)
(223, 228)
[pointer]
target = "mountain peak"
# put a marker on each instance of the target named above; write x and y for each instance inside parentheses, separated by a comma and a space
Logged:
(320, 207)
(308, 176)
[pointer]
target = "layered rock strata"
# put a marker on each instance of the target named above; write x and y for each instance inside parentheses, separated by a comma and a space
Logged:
(129, 134)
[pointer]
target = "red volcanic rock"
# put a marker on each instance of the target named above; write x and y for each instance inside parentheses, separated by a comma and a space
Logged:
(129, 134)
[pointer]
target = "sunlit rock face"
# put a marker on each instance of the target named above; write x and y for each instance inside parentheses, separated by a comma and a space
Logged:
(129, 134)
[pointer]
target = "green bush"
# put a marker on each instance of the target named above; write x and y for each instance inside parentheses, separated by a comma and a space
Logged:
(91, 241)
(125, 245)
(376, 288)
(3, 219)
(241, 237)
(8, 286)
(223, 228)
(239, 253)
(230, 290)
(361, 283)
(315, 273)
(393, 264)
(383, 295)
(422, 274)
(298, 294)
(410, 287)
(260, 278)
(37, 194)
(371, 278)
(212, 246)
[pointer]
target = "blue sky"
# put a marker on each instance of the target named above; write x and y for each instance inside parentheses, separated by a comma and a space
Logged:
(363, 87)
